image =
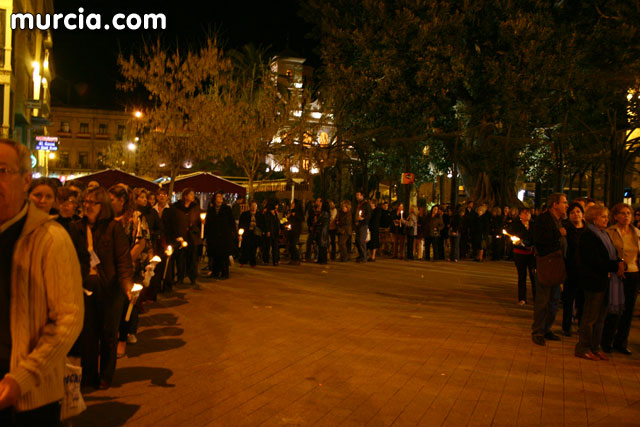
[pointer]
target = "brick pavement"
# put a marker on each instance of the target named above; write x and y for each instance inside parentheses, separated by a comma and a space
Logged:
(387, 343)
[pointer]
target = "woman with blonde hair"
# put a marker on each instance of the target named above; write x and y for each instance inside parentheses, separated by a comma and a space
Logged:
(600, 272)
(625, 238)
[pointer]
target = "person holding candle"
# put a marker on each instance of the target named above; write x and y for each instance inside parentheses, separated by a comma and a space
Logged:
(186, 214)
(363, 216)
(251, 224)
(431, 229)
(107, 287)
(220, 235)
(294, 228)
(571, 291)
(397, 231)
(344, 229)
(523, 255)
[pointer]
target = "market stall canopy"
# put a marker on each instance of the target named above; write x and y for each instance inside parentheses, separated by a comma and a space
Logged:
(205, 182)
(109, 177)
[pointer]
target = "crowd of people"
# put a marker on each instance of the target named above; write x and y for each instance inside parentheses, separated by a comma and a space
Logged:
(67, 243)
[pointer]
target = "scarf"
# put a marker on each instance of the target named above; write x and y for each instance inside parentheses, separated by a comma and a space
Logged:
(616, 289)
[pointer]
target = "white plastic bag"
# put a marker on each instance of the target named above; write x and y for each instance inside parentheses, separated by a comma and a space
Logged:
(72, 403)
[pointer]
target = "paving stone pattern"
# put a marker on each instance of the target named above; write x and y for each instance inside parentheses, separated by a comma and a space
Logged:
(378, 344)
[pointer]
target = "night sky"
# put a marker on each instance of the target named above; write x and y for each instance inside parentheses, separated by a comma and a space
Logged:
(85, 61)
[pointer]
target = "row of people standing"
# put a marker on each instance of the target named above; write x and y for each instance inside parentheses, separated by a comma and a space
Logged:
(601, 264)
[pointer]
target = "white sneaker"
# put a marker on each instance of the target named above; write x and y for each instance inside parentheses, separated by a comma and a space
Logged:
(131, 339)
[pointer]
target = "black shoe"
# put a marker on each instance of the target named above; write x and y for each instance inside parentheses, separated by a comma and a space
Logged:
(551, 336)
(623, 350)
(537, 339)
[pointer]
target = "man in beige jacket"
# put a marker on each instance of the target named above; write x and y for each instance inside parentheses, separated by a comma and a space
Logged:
(41, 306)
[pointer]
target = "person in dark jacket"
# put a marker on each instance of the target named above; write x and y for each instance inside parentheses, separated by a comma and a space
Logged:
(271, 235)
(454, 234)
(572, 292)
(374, 229)
(344, 229)
(108, 287)
(600, 267)
(186, 214)
(361, 221)
(251, 223)
(548, 237)
(294, 229)
(220, 235)
(523, 255)
(322, 232)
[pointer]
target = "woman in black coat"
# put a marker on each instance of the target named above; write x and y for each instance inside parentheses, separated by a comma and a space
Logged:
(109, 284)
(600, 268)
(571, 291)
(294, 228)
(251, 223)
(322, 232)
(220, 234)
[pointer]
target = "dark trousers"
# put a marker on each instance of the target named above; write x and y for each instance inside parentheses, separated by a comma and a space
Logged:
(525, 263)
(545, 309)
(361, 241)
(617, 327)
(593, 315)
(570, 294)
(294, 253)
(47, 415)
(322, 254)
(332, 240)
(455, 247)
(309, 247)
(169, 277)
(431, 242)
(342, 244)
(248, 248)
(220, 264)
(187, 260)
(271, 246)
(99, 338)
(410, 240)
(130, 327)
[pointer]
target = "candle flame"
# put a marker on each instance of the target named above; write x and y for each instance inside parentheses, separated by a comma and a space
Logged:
(156, 259)
(136, 287)
(241, 231)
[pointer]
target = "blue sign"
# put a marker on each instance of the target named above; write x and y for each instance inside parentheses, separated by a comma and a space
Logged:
(47, 143)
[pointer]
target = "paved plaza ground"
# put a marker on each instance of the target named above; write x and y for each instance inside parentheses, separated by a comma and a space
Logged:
(386, 343)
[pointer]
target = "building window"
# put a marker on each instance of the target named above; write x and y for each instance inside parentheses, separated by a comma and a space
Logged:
(84, 127)
(83, 160)
(102, 129)
(120, 133)
(63, 159)
(64, 127)
(289, 74)
(100, 160)
(3, 40)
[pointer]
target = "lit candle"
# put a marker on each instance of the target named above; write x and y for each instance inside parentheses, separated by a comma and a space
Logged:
(135, 293)
(202, 217)
(241, 231)
(156, 259)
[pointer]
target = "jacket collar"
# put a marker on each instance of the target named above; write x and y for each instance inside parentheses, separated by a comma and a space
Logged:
(35, 218)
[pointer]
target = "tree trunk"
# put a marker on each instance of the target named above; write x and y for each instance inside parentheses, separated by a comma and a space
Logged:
(592, 189)
(454, 186)
(580, 179)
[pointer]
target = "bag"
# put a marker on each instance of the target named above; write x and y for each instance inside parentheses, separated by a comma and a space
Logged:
(551, 269)
(72, 403)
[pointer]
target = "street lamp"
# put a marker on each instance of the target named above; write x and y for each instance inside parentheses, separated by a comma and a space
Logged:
(137, 114)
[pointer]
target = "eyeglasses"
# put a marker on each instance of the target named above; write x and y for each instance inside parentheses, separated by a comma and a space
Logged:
(90, 202)
(5, 172)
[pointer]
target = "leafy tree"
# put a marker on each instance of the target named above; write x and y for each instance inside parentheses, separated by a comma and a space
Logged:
(175, 125)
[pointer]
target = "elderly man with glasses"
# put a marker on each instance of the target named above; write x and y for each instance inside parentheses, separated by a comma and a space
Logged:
(41, 307)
